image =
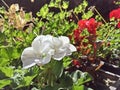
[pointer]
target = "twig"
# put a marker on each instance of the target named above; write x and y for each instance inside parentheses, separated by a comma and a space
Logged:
(5, 3)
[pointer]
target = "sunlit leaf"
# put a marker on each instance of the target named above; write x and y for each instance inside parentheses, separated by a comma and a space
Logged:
(4, 83)
(7, 71)
(78, 87)
(65, 5)
(43, 11)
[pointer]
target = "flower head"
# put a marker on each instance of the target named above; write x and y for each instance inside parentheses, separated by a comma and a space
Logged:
(45, 47)
(91, 26)
(82, 24)
(115, 14)
(40, 52)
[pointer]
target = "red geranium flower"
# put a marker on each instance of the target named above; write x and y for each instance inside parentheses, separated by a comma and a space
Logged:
(115, 14)
(82, 24)
(91, 26)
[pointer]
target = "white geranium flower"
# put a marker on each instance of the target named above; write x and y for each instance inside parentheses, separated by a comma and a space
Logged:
(44, 48)
(62, 47)
(40, 53)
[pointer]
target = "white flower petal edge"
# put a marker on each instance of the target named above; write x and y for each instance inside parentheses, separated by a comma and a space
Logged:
(59, 55)
(28, 57)
(63, 49)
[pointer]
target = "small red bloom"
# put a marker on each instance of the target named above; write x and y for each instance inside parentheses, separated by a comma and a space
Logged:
(92, 26)
(76, 35)
(118, 25)
(115, 14)
(76, 62)
(82, 24)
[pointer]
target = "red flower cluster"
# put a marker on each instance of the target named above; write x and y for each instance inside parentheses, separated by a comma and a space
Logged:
(91, 25)
(82, 24)
(116, 15)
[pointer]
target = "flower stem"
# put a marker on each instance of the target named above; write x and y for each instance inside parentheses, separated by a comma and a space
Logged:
(75, 16)
(5, 3)
(100, 15)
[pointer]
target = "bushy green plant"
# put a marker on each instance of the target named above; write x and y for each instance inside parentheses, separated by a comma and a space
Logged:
(19, 29)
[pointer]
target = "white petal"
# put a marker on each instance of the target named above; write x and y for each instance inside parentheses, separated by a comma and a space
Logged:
(72, 48)
(28, 57)
(51, 52)
(57, 42)
(48, 38)
(64, 39)
(45, 47)
(46, 59)
(58, 56)
(69, 49)
(42, 44)
(37, 42)
(38, 62)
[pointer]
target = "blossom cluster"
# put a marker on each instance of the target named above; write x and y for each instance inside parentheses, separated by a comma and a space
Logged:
(91, 26)
(44, 48)
(116, 15)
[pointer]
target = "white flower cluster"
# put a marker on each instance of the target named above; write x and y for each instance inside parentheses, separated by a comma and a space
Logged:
(45, 47)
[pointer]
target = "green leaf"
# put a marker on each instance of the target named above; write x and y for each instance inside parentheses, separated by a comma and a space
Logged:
(52, 4)
(58, 68)
(85, 3)
(4, 62)
(66, 61)
(4, 83)
(65, 81)
(62, 15)
(4, 53)
(49, 88)
(85, 77)
(65, 4)
(78, 9)
(2, 10)
(7, 71)
(50, 15)
(80, 78)
(20, 80)
(43, 11)
(58, 1)
(82, 87)
(28, 80)
(87, 15)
